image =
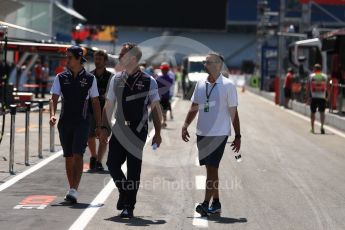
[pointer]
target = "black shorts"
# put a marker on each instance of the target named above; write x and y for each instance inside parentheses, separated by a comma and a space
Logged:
(211, 149)
(73, 137)
(165, 103)
(318, 103)
(287, 92)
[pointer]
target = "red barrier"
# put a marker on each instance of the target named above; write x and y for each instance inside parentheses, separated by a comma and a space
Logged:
(334, 91)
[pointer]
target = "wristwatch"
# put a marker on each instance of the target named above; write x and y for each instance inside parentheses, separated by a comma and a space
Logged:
(238, 136)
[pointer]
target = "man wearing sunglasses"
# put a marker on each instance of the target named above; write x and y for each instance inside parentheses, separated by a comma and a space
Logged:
(130, 92)
(215, 99)
(76, 87)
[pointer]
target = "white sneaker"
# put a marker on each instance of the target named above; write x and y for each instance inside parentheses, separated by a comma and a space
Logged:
(72, 196)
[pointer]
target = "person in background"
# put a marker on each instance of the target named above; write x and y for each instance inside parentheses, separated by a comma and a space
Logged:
(44, 79)
(164, 86)
(102, 76)
(178, 76)
(172, 88)
(317, 88)
(38, 77)
(288, 86)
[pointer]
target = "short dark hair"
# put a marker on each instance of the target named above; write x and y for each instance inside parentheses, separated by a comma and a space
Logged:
(290, 70)
(133, 49)
(218, 55)
(101, 53)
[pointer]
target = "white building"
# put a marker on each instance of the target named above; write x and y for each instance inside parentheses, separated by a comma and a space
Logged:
(53, 17)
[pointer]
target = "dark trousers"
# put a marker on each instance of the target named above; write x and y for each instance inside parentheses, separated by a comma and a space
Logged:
(43, 88)
(38, 88)
(126, 144)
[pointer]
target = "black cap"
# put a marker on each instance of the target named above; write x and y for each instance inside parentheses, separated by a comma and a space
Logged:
(77, 52)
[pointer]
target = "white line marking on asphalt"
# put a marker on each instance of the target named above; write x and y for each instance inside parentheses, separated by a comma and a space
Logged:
(95, 205)
(173, 104)
(333, 130)
(196, 155)
(198, 221)
(29, 171)
(197, 161)
(200, 182)
(102, 196)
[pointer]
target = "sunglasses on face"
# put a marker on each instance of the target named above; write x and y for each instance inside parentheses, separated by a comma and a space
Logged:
(210, 62)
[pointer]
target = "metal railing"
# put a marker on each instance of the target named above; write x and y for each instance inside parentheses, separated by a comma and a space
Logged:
(28, 108)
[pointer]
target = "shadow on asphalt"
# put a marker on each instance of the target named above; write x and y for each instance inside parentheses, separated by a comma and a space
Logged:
(72, 206)
(326, 134)
(224, 220)
(136, 221)
(93, 171)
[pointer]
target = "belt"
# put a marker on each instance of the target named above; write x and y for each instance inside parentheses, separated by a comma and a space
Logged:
(129, 123)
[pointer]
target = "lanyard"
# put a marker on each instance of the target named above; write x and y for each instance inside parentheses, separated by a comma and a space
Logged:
(209, 94)
(131, 87)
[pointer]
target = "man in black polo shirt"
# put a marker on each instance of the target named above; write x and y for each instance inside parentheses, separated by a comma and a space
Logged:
(130, 91)
(103, 76)
(75, 86)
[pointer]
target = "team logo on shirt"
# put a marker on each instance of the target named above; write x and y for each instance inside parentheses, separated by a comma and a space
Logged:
(140, 85)
(83, 82)
(66, 81)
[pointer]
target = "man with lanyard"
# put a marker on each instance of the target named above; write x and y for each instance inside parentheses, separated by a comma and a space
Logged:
(103, 76)
(75, 86)
(317, 88)
(129, 94)
(216, 101)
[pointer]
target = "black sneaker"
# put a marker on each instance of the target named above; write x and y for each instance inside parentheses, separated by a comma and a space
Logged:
(127, 213)
(121, 201)
(202, 209)
(323, 131)
(216, 207)
(99, 166)
(93, 161)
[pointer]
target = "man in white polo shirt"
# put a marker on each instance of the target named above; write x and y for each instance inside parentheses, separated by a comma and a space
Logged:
(216, 101)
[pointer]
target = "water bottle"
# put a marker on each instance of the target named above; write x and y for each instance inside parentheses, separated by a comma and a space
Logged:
(238, 157)
(154, 146)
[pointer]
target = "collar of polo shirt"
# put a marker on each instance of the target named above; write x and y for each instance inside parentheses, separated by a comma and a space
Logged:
(218, 81)
(80, 72)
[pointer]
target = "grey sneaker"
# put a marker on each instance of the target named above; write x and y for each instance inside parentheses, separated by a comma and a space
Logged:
(72, 196)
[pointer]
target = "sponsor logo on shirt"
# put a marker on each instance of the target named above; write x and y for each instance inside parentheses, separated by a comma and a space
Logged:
(66, 81)
(140, 85)
(83, 82)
